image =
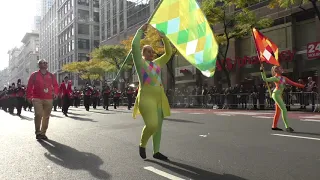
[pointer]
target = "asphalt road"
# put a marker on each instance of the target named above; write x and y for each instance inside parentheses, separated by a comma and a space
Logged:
(201, 144)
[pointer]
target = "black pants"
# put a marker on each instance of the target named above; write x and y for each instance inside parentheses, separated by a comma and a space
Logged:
(106, 102)
(115, 102)
(19, 104)
(76, 102)
(12, 104)
(66, 104)
(129, 101)
(55, 104)
(86, 102)
(94, 102)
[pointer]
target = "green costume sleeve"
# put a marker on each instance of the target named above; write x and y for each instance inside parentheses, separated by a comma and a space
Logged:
(136, 50)
(271, 79)
(161, 61)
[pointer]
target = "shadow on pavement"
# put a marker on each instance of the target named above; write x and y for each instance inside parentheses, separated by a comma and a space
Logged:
(193, 172)
(76, 114)
(81, 118)
(101, 112)
(307, 133)
(182, 121)
(26, 118)
(71, 158)
(52, 115)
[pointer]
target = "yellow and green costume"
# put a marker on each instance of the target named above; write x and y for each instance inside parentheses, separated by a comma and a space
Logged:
(151, 102)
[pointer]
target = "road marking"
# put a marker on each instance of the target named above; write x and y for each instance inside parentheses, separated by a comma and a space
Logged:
(264, 117)
(223, 114)
(175, 112)
(162, 173)
(299, 137)
(197, 113)
(247, 113)
(311, 120)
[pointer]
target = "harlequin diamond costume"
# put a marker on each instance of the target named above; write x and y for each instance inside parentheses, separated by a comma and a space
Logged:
(151, 102)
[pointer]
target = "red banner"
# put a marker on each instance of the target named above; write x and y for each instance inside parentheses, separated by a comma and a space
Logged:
(313, 50)
(284, 56)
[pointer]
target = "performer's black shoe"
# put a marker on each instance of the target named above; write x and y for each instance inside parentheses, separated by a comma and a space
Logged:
(289, 129)
(160, 156)
(142, 152)
(277, 129)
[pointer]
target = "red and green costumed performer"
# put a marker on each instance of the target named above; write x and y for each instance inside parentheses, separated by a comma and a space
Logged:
(151, 101)
(280, 82)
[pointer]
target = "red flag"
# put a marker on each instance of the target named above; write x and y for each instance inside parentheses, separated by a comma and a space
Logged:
(266, 49)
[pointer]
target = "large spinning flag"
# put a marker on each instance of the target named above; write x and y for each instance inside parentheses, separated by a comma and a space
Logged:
(189, 31)
(266, 49)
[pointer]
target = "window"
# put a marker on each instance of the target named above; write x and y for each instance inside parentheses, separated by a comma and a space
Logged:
(96, 17)
(83, 43)
(72, 45)
(83, 2)
(82, 57)
(83, 15)
(96, 31)
(96, 43)
(96, 3)
(83, 29)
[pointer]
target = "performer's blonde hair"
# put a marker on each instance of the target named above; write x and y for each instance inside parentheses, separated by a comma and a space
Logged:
(273, 70)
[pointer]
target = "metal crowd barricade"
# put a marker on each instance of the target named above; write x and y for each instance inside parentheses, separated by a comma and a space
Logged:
(293, 100)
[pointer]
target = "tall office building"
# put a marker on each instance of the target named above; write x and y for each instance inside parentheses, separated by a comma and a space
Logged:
(69, 32)
(120, 18)
(45, 5)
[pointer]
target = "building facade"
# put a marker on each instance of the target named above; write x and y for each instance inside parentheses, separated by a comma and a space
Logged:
(45, 5)
(75, 25)
(293, 29)
(4, 78)
(28, 57)
(13, 64)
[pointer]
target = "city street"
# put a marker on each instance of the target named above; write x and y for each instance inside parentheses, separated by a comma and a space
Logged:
(201, 144)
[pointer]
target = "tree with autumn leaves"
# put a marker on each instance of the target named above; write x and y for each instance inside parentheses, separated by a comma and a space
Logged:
(93, 70)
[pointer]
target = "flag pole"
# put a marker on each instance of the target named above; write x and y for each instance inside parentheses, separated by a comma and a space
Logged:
(127, 57)
(261, 65)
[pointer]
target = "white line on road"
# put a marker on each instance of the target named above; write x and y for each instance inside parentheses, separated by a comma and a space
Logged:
(162, 173)
(264, 117)
(223, 114)
(197, 113)
(311, 120)
(299, 137)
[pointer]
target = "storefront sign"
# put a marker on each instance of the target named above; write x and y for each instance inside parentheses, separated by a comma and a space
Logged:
(231, 64)
(313, 50)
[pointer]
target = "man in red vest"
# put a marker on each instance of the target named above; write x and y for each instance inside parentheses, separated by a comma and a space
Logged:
(42, 88)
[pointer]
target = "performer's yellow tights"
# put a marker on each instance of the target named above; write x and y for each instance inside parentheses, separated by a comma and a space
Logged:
(151, 111)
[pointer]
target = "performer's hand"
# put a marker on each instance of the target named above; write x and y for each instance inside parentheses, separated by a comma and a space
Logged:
(55, 96)
(161, 34)
(261, 68)
(144, 27)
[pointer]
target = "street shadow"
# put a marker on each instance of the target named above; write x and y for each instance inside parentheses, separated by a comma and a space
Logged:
(182, 121)
(193, 172)
(81, 118)
(120, 110)
(52, 115)
(307, 133)
(71, 158)
(76, 114)
(26, 118)
(102, 112)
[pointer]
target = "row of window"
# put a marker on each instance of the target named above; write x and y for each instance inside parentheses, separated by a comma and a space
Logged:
(65, 9)
(65, 49)
(85, 29)
(66, 21)
(66, 35)
(86, 3)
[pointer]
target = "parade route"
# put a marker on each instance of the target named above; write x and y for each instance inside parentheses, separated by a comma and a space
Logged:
(204, 145)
